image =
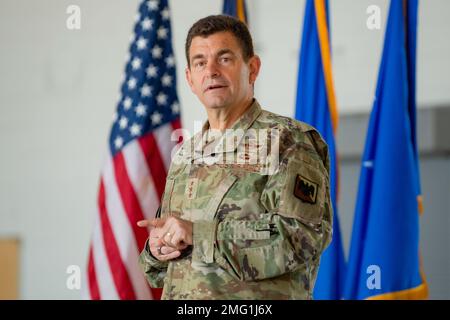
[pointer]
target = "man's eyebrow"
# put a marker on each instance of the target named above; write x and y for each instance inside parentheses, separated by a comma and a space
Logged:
(219, 53)
(225, 51)
(198, 56)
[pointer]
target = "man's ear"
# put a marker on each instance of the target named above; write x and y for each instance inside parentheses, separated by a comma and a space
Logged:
(189, 79)
(254, 66)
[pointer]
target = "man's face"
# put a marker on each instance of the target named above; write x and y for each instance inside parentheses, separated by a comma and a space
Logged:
(218, 74)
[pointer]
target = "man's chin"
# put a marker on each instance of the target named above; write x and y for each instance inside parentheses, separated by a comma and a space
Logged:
(216, 104)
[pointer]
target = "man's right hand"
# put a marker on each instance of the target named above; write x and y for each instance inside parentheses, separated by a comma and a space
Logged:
(162, 253)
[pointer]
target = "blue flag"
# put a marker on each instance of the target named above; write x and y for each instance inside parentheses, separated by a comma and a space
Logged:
(235, 8)
(384, 260)
(316, 105)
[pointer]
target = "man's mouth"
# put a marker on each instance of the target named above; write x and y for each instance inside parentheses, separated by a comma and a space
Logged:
(214, 87)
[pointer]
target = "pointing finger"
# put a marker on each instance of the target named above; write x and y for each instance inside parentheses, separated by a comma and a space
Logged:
(143, 223)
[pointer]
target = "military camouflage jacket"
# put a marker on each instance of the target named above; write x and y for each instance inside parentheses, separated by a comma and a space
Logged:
(260, 208)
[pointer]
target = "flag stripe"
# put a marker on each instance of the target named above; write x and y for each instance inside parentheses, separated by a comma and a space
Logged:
(94, 291)
(141, 180)
(105, 282)
(129, 200)
(176, 124)
(120, 275)
(241, 11)
(154, 162)
(102, 269)
(123, 231)
(165, 144)
(322, 29)
(418, 293)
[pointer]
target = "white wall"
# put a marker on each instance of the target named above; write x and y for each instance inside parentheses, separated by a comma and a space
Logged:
(58, 90)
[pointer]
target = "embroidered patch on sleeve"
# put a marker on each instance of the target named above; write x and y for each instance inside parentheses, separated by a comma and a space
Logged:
(305, 189)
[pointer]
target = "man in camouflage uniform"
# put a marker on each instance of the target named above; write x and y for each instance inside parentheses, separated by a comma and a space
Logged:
(235, 223)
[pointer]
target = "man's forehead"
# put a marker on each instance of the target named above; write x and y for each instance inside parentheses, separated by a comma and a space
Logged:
(215, 42)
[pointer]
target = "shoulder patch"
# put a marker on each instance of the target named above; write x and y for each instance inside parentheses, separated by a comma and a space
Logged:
(305, 189)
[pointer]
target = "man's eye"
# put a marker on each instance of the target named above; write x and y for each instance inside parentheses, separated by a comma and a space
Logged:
(199, 64)
(225, 59)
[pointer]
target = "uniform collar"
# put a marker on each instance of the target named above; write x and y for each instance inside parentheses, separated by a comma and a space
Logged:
(202, 148)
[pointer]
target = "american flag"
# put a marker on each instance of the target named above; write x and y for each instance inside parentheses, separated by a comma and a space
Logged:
(139, 154)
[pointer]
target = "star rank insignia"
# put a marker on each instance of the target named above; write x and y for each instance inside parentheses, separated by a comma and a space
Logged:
(191, 188)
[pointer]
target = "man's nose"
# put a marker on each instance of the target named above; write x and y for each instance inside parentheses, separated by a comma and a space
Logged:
(212, 69)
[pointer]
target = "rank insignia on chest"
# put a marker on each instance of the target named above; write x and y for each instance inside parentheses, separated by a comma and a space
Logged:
(305, 189)
(191, 188)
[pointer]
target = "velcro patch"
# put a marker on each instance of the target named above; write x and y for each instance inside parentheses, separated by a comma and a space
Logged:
(305, 189)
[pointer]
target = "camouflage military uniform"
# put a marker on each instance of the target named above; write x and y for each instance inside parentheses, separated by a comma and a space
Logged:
(255, 236)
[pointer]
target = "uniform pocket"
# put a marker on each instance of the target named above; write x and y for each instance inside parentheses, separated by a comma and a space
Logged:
(267, 261)
(244, 230)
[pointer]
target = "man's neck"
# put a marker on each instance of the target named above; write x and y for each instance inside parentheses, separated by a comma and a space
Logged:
(221, 119)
